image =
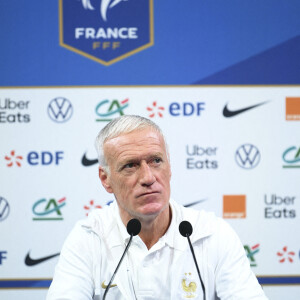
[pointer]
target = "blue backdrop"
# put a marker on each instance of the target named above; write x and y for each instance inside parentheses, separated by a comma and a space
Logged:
(195, 42)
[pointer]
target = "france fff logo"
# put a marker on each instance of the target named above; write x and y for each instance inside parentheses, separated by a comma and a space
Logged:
(106, 31)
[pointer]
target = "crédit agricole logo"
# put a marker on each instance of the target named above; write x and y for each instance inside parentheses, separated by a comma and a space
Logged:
(106, 30)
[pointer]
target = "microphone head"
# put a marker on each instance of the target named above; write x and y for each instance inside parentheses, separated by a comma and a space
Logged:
(185, 228)
(134, 227)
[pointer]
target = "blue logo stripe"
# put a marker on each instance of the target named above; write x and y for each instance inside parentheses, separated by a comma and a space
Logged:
(25, 283)
(45, 283)
(278, 280)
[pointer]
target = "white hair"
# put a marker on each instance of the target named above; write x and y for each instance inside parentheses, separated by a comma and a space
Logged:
(121, 125)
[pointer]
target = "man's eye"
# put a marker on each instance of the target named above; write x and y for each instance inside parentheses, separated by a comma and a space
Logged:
(129, 166)
(157, 160)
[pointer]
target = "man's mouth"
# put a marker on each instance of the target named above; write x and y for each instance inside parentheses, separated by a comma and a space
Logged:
(148, 193)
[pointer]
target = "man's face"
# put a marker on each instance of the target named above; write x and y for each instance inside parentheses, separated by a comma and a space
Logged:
(139, 173)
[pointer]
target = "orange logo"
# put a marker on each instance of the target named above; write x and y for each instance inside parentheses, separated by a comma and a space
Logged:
(234, 206)
(292, 108)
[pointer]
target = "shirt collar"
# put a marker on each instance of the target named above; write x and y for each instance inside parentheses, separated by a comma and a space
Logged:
(122, 228)
(167, 238)
(117, 234)
(203, 224)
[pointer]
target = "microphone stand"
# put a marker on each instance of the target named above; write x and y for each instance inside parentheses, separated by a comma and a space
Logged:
(133, 228)
(186, 229)
(112, 278)
(193, 253)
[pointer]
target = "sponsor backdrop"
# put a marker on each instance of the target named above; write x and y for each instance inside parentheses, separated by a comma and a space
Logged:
(221, 78)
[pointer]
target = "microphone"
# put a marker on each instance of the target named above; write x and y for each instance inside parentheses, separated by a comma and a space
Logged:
(133, 228)
(186, 229)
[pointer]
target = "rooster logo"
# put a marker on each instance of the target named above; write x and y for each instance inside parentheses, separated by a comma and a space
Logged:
(189, 287)
(105, 5)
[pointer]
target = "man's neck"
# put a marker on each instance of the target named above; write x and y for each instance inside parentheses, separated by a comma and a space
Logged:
(154, 227)
(153, 230)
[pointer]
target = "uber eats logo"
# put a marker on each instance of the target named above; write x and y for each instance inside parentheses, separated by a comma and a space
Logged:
(201, 157)
(280, 207)
(14, 111)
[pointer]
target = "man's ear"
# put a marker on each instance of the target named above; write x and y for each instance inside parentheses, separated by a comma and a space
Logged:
(105, 180)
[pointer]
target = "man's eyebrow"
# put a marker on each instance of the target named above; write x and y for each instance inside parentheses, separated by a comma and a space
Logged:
(157, 155)
(125, 162)
(129, 161)
(138, 159)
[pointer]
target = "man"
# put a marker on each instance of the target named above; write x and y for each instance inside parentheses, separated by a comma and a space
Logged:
(135, 167)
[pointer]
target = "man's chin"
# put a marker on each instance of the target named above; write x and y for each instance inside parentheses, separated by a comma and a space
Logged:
(152, 210)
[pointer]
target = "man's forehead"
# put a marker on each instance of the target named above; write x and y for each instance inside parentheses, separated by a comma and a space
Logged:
(135, 137)
(130, 144)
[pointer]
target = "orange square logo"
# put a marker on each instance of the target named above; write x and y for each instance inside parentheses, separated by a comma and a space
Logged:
(292, 108)
(234, 206)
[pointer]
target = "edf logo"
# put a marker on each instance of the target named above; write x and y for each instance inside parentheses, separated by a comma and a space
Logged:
(176, 109)
(186, 109)
(34, 158)
(2, 256)
(44, 158)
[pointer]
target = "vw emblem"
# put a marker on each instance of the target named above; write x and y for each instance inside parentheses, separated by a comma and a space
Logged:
(247, 156)
(4, 209)
(60, 110)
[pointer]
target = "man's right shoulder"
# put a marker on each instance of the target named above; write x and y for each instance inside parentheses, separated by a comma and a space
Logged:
(100, 220)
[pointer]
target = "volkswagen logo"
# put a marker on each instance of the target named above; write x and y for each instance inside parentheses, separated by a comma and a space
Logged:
(4, 209)
(60, 110)
(247, 156)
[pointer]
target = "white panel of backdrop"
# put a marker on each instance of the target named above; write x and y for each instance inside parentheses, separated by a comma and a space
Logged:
(233, 150)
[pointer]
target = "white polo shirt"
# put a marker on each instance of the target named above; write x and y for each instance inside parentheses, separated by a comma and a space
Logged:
(149, 268)
(166, 271)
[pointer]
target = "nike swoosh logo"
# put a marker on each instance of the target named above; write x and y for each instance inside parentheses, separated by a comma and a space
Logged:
(32, 262)
(231, 113)
(88, 162)
(104, 286)
(194, 203)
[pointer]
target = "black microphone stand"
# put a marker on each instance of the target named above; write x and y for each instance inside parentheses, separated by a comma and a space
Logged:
(112, 278)
(201, 281)
(133, 228)
(186, 229)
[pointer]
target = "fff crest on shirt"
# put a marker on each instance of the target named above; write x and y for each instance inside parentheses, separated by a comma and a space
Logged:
(106, 31)
(188, 286)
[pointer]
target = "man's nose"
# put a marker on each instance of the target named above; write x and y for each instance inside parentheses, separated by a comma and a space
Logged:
(147, 177)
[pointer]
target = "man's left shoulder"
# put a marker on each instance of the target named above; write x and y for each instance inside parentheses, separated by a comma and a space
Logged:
(204, 223)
